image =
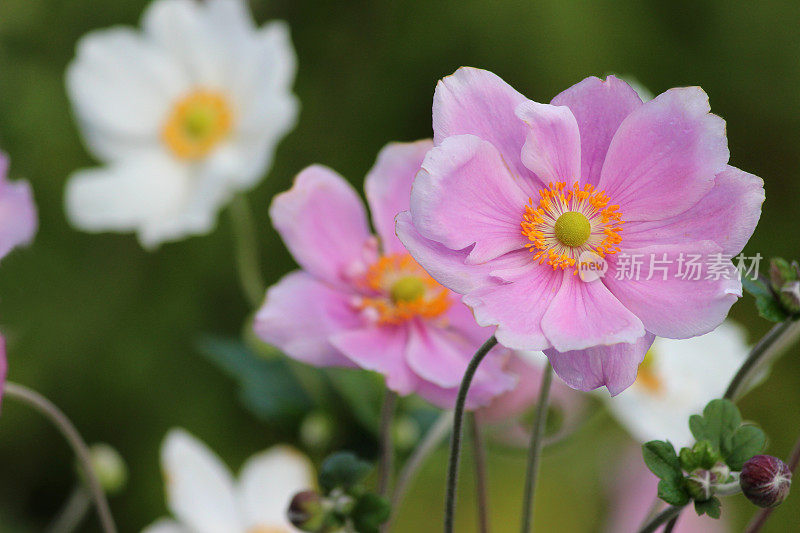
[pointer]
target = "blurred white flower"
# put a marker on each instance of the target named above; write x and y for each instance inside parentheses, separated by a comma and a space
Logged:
(204, 498)
(676, 380)
(183, 114)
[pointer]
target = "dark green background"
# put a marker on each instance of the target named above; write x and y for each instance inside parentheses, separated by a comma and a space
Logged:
(107, 330)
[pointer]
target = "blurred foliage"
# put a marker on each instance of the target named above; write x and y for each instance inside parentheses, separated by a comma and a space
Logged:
(109, 331)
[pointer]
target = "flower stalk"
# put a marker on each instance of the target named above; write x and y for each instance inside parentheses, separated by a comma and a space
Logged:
(247, 261)
(455, 439)
(67, 429)
(481, 488)
(534, 450)
(387, 446)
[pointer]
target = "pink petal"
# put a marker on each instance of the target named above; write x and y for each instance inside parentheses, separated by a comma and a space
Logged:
(445, 265)
(614, 366)
(388, 187)
(323, 223)
(465, 195)
(517, 307)
(300, 314)
(477, 102)
(552, 147)
(18, 220)
(668, 305)
(437, 355)
(664, 156)
(381, 349)
(727, 215)
(488, 383)
(599, 107)
(584, 314)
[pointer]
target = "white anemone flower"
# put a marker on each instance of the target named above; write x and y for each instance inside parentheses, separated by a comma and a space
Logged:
(204, 498)
(676, 380)
(182, 114)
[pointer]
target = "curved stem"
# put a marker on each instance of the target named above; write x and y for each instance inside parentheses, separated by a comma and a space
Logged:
(481, 489)
(660, 519)
(435, 435)
(387, 447)
(671, 524)
(244, 233)
(761, 518)
(62, 423)
(73, 512)
(778, 338)
(455, 438)
(537, 435)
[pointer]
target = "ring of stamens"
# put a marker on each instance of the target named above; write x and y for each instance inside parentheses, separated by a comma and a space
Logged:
(197, 124)
(568, 221)
(399, 289)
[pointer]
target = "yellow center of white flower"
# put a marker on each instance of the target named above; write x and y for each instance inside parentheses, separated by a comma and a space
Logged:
(268, 529)
(648, 376)
(197, 124)
(567, 222)
(401, 290)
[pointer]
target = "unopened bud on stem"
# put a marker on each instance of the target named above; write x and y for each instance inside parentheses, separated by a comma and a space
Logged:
(765, 480)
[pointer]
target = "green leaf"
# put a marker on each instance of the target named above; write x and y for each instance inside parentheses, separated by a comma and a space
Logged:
(672, 492)
(710, 507)
(720, 420)
(343, 470)
(759, 288)
(661, 459)
(370, 512)
(688, 460)
(770, 309)
(747, 441)
(267, 386)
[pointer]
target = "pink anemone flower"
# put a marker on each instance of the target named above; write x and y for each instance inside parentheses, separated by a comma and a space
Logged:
(18, 221)
(516, 197)
(363, 301)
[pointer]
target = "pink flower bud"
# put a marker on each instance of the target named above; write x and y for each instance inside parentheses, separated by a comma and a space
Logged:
(765, 480)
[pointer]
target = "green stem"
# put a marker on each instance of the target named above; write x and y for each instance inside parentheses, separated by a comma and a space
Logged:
(455, 438)
(73, 512)
(67, 429)
(481, 489)
(534, 450)
(387, 447)
(661, 518)
(247, 262)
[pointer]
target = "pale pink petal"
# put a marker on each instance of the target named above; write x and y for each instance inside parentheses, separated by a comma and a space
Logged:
(664, 156)
(517, 307)
(18, 220)
(599, 107)
(388, 187)
(672, 303)
(459, 319)
(552, 147)
(488, 383)
(465, 195)
(299, 316)
(584, 314)
(438, 355)
(727, 215)
(381, 349)
(614, 366)
(445, 265)
(477, 102)
(323, 223)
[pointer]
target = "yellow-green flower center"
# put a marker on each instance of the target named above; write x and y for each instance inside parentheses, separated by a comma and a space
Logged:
(197, 124)
(407, 289)
(572, 228)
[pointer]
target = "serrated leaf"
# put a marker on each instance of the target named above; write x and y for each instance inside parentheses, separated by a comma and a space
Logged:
(770, 309)
(710, 507)
(672, 492)
(661, 459)
(342, 470)
(268, 388)
(746, 442)
(370, 512)
(719, 422)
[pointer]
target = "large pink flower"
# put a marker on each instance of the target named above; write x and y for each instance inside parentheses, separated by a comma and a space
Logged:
(516, 194)
(362, 301)
(18, 220)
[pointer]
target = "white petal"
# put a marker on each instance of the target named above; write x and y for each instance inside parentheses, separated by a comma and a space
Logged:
(126, 195)
(200, 489)
(166, 526)
(122, 88)
(268, 483)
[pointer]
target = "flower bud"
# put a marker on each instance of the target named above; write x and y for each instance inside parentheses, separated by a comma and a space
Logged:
(720, 473)
(790, 296)
(698, 484)
(405, 433)
(781, 273)
(317, 430)
(765, 480)
(306, 511)
(109, 468)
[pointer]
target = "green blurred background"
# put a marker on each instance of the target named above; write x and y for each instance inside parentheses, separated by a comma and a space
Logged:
(108, 331)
